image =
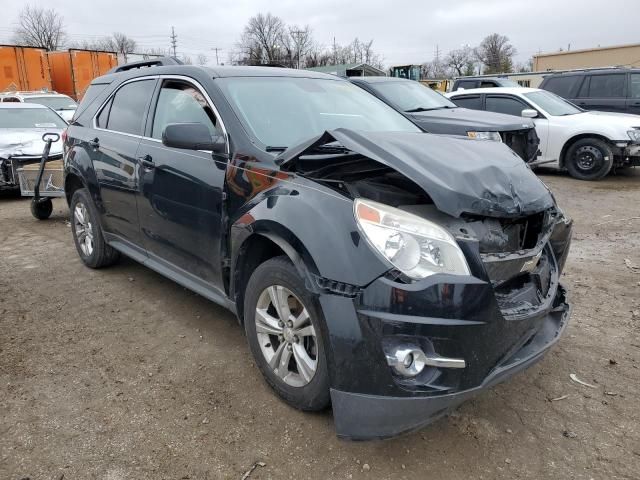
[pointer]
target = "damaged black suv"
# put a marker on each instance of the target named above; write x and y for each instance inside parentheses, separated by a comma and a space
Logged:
(385, 271)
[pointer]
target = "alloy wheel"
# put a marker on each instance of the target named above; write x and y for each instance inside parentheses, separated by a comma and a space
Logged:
(83, 228)
(286, 336)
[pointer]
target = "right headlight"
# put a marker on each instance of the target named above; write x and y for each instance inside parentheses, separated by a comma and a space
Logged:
(495, 136)
(634, 135)
(413, 245)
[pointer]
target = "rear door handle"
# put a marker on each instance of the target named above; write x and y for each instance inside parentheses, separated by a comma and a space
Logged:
(147, 162)
(95, 143)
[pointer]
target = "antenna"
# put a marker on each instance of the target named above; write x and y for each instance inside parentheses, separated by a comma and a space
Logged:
(174, 40)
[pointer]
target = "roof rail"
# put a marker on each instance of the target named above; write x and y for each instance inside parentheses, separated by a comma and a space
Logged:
(156, 62)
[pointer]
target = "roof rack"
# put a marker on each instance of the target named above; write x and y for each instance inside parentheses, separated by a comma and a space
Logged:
(156, 62)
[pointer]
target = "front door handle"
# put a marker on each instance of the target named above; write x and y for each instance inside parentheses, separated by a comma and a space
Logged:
(95, 143)
(147, 162)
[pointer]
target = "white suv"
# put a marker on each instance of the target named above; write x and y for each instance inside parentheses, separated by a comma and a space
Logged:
(63, 105)
(587, 144)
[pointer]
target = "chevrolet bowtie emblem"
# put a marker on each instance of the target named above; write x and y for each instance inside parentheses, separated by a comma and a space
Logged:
(531, 264)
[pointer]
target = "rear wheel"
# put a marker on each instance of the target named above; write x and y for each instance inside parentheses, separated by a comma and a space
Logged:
(282, 321)
(87, 234)
(41, 209)
(589, 159)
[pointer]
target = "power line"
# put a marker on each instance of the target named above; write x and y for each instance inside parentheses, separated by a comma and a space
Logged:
(174, 40)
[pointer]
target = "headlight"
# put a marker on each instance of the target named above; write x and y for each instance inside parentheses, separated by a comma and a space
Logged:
(634, 135)
(495, 136)
(415, 246)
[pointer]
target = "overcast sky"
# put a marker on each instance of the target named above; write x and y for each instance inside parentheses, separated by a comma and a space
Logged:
(403, 31)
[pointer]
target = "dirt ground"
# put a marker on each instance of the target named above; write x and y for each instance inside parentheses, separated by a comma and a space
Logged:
(122, 374)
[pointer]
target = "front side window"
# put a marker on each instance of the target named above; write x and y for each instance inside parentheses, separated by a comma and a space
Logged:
(473, 102)
(508, 105)
(552, 104)
(285, 111)
(30, 118)
(467, 84)
(607, 85)
(181, 102)
(128, 108)
(562, 86)
(411, 96)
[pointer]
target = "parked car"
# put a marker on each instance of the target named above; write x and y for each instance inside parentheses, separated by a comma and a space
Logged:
(389, 272)
(435, 113)
(607, 90)
(62, 104)
(466, 83)
(21, 128)
(587, 144)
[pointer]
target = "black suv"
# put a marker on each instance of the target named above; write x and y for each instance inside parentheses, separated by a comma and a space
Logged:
(607, 90)
(468, 83)
(435, 113)
(386, 271)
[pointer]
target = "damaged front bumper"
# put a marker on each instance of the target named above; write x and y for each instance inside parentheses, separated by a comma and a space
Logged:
(500, 320)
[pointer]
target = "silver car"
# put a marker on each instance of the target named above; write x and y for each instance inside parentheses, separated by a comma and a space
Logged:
(64, 105)
(21, 128)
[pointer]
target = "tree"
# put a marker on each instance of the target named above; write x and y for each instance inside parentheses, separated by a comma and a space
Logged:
(39, 27)
(201, 59)
(460, 61)
(261, 39)
(121, 44)
(496, 54)
(186, 59)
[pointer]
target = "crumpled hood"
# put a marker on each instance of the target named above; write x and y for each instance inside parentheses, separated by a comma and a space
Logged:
(459, 174)
(461, 120)
(15, 142)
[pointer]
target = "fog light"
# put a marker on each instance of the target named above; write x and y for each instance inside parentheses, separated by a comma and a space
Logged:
(407, 360)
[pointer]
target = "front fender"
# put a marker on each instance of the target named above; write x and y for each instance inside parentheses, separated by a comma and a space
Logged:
(318, 226)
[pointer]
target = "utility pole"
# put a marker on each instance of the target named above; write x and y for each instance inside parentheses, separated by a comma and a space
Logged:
(174, 41)
(297, 33)
(216, 50)
(335, 52)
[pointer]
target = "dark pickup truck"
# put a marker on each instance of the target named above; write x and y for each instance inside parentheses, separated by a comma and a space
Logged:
(435, 113)
(384, 271)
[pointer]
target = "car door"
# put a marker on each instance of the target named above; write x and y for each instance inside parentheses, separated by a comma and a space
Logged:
(513, 105)
(604, 92)
(113, 145)
(180, 202)
(633, 99)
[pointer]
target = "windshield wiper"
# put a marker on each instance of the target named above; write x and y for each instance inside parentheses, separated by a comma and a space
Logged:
(423, 109)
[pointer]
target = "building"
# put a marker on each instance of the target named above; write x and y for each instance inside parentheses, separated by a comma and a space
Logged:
(620, 55)
(351, 70)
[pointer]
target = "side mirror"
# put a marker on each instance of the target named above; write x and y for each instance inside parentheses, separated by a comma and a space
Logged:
(529, 113)
(192, 136)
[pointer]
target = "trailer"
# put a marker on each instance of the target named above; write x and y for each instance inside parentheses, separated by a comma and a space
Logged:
(24, 68)
(72, 71)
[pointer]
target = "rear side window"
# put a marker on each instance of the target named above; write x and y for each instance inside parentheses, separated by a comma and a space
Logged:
(635, 85)
(128, 107)
(91, 94)
(562, 86)
(507, 105)
(607, 85)
(469, 101)
(466, 84)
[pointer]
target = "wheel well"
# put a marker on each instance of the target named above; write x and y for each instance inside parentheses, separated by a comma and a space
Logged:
(256, 250)
(71, 183)
(573, 140)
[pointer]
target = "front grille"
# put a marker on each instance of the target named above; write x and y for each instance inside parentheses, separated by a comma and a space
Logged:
(524, 142)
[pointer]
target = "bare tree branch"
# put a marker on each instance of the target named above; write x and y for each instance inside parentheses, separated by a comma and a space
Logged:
(496, 53)
(39, 27)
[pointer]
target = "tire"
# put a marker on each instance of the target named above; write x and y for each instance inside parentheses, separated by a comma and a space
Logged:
(42, 209)
(589, 159)
(87, 233)
(276, 279)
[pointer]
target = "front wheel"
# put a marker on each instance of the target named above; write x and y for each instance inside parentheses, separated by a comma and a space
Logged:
(589, 159)
(283, 324)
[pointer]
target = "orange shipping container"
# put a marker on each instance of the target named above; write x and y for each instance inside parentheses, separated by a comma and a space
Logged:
(24, 68)
(73, 70)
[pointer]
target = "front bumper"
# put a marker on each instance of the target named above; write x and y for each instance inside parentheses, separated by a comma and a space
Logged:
(363, 417)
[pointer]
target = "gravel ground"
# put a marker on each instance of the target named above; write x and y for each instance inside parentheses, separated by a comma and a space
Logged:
(122, 374)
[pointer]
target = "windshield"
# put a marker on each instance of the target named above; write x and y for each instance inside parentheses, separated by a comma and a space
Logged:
(30, 118)
(56, 103)
(285, 111)
(552, 104)
(411, 96)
